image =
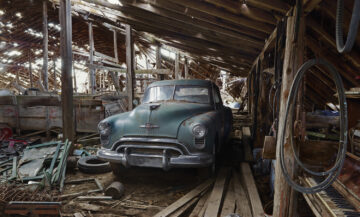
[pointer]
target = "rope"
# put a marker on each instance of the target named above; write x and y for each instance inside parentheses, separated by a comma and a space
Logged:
(333, 172)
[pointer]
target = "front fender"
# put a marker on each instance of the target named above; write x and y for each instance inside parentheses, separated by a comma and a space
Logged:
(210, 120)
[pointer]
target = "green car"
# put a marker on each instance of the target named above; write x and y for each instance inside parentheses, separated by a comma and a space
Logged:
(180, 123)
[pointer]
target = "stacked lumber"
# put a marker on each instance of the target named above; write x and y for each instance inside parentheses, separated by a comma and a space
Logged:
(232, 191)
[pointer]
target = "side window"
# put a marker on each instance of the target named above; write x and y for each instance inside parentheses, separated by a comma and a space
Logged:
(217, 98)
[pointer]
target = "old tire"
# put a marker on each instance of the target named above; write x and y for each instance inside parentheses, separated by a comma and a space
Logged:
(91, 164)
(117, 169)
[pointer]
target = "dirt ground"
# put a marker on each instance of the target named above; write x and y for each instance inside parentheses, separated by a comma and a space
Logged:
(147, 191)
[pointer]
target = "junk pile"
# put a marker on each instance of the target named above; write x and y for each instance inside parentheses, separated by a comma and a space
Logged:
(42, 163)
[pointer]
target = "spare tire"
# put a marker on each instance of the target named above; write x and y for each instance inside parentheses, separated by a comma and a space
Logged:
(91, 164)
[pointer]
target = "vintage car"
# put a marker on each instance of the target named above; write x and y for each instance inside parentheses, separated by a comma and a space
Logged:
(180, 123)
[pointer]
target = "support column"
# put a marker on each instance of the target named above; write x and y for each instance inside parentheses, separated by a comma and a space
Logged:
(30, 71)
(45, 46)
(130, 72)
(92, 81)
(177, 73)
(116, 47)
(158, 61)
(74, 77)
(66, 66)
(285, 200)
(186, 68)
(55, 83)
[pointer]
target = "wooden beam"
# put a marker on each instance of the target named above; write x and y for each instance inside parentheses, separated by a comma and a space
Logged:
(353, 56)
(285, 201)
(238, 7)
(241, 21)
(207, 18)
(276, 5)
(115, 47)
(343, 69)
(202, 26)
(66, 67)
(92, 78)
(130, 75)
(45, 46)
(135, 17)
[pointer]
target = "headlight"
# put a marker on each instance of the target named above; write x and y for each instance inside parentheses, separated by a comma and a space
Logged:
(199, 131)
(104, 128)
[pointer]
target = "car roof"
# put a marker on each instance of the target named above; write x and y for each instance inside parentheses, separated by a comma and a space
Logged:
(198, 82)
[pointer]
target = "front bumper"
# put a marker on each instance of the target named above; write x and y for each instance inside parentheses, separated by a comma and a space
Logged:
(126, 155)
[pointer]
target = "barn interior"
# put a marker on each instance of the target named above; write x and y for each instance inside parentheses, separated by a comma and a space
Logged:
(294, 93)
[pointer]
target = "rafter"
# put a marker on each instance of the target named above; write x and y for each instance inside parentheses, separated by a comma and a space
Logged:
(209, 9)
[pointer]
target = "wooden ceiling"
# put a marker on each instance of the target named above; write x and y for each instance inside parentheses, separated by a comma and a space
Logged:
(225, 34)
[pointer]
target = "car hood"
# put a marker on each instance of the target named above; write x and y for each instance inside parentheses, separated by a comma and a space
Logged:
(160, 119)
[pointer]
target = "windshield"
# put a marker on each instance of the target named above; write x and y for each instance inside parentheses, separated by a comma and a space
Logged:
(194, 94)
(156, 94)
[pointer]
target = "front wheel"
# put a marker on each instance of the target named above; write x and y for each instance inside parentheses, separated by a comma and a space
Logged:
(117, 169)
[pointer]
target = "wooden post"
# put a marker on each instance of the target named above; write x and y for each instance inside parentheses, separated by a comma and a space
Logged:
(45, 46)
(54, 66)
(186, 68)
(92, 77)
(66, 66)
(285, 202)
(74, 77)
(254, 110)
(130, 73)
(177, 73)
(115, 47)
(30, 71)
(158, 61)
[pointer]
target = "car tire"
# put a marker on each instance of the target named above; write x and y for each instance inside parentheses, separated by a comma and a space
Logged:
(117, 169)
(91, 164)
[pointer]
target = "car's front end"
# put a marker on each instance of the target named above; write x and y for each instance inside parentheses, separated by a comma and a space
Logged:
(166, 134)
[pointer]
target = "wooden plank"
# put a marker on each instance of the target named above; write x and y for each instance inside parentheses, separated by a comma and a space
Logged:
(200, 206)
(253, 194)
(66, 67)
(246, 140)
(186, 207)
(242, 200)
(229, 201)
(217, 195)
(185, 199)
(130, 75)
